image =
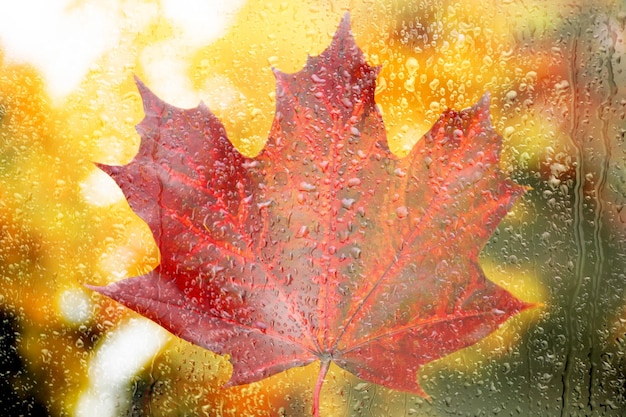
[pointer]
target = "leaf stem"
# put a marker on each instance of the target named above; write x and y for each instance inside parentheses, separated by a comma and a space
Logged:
(324, 365)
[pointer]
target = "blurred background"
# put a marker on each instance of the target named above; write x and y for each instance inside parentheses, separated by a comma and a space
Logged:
(67, 99)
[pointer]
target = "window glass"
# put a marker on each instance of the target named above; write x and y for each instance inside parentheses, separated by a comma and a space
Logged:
(69, 105)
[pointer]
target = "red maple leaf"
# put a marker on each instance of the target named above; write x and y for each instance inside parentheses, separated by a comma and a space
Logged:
(326, 246)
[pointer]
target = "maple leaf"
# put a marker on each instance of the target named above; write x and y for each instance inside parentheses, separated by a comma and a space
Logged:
(325, 246)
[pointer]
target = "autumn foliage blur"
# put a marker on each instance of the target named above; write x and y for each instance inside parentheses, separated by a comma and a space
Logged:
(555, 74)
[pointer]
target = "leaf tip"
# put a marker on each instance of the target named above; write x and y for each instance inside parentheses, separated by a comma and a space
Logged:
(108, 169)
(343, 34)
(279, 75)
(344, 24)
(97, 288)
(482, 106)
(148, 98)
(517, 190)
(532, 305)
(144, 91)
(485, 99)
(138, 81)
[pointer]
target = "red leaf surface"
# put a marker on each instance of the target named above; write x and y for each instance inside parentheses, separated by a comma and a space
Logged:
(326, 246)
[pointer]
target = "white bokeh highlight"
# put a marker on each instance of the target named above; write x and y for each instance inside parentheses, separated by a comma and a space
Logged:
(124, 352)
(61, 38)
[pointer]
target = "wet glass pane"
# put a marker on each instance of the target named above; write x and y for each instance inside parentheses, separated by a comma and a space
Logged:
(69, 105)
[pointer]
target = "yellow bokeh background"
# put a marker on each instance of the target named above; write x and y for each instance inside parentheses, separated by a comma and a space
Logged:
(65, 225)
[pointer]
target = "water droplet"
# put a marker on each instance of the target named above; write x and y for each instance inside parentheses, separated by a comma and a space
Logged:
(531, 76)
(409, 85)
(347, 203)
(563, 85)
(412, 65)
(305, 186)
(402, 212)
(353, 182)
(317, 79)
(508, 132)
(302, 232)
(511, 95)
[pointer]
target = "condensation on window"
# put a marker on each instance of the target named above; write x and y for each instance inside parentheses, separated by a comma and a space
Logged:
(68, 103)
